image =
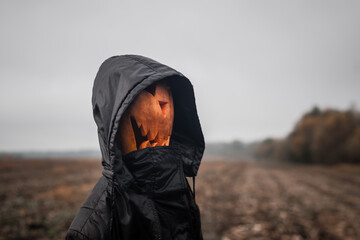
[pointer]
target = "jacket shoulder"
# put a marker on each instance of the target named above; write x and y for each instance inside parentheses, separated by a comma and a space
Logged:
(74, 235)
(92, 220)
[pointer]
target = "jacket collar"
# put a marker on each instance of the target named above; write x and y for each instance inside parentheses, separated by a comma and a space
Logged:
(156, 170)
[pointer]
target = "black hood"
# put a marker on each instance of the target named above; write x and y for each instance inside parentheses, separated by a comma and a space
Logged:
(118, 81)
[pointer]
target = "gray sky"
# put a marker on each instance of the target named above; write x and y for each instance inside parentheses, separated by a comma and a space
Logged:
(256, 66)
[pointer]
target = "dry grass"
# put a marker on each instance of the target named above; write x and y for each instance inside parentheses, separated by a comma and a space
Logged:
(238, 200)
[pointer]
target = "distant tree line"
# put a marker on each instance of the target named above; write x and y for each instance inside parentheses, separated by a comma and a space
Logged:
(321, 136)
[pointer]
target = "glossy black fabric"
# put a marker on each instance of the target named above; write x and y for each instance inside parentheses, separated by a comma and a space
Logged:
(144, 194)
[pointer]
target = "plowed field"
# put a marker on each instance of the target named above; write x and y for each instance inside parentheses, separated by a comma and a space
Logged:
(238, 200)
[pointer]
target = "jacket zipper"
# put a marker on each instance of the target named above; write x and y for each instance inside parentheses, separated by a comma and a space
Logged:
(157, 228)
(157, 232)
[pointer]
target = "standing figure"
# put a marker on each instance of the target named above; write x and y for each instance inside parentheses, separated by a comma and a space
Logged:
(151, 140)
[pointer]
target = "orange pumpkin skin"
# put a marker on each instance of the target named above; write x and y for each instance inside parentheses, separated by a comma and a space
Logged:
(148, 121)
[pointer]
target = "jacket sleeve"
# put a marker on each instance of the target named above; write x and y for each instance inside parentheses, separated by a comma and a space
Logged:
(92, 220)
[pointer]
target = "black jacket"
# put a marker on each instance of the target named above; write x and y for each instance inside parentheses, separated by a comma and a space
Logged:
(143, 194)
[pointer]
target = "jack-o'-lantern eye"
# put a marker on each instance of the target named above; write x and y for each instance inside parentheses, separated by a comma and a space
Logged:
(151, 89)
(163, 106)
(149, 119)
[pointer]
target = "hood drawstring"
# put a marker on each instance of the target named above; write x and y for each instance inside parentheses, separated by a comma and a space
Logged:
(193, 186)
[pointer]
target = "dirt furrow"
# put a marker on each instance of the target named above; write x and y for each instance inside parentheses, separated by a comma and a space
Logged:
(319, 210)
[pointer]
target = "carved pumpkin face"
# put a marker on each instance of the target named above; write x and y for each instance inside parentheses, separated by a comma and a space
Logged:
(148, 121)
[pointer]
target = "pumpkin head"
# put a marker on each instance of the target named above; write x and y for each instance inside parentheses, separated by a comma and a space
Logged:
(148, 121)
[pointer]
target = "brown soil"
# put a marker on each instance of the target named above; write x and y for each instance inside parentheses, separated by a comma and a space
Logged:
(237, 200)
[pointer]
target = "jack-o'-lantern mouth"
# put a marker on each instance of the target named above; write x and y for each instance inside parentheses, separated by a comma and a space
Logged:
(146, 139)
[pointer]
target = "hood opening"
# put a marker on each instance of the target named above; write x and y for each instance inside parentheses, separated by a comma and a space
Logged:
(148, 121)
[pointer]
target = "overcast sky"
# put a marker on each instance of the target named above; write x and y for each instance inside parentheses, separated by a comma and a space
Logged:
(256, 66)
